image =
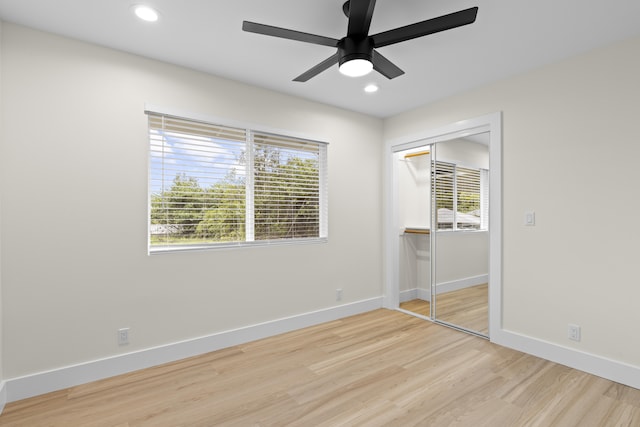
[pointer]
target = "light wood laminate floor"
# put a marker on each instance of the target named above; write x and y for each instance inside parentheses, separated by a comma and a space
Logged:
(382, 368)
(468, 307)
(418, 306)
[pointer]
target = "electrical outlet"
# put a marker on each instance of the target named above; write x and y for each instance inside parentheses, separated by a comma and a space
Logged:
(123, 336)
(573, 332)
(338, 294)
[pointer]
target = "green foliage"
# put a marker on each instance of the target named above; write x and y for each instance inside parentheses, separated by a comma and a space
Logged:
(286, 206)
(224, 220)
(179, 209)
(444, 198)
(468, 202)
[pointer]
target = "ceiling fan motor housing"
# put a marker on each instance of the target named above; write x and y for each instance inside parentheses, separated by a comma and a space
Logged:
(350, 48)
(346, 7)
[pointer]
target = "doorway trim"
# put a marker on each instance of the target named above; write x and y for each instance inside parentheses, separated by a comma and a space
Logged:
(491, 123)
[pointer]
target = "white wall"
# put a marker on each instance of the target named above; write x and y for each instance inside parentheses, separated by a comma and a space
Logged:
(414, 264)
(570, 153)
(414, 191)
(463, 152)
(74, 209)
(461, 255)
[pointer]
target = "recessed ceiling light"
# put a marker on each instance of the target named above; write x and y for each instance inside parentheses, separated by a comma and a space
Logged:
(371, 88)
(146, 13)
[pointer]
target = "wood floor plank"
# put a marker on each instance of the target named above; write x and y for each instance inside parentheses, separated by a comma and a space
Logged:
(382, 368)
(468, 307)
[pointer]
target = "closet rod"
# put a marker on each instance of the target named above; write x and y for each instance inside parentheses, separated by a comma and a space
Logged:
(416, 154)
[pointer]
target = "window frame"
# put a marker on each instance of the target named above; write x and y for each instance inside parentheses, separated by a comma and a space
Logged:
(251, 130)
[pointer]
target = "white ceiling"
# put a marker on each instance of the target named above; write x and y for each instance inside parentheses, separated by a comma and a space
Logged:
(508, 37)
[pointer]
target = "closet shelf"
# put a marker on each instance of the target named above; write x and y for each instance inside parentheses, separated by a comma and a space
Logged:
(417, 230)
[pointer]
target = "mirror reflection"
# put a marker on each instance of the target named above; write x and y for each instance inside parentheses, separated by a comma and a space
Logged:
(413, 184)
(443, 196)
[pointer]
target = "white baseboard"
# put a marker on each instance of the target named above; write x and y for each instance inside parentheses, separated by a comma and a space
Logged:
(467, 282)
(424, 294)
(58, 379)
(613, 370)
(454, 285)
(3, 395)
(408, 295)
(415, 293)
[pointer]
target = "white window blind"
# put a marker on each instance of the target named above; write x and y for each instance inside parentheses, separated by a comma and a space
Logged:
(286, 187)
(468, 198)
(444, 186)
(213, 185)
(459, 196)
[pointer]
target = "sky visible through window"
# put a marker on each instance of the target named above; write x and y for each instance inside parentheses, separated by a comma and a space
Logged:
(207, 159)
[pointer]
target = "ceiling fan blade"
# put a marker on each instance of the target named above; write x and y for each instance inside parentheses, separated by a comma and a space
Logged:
(430, 26)
(314, 71)
(385, 67)
(360, 14)
(269, 30)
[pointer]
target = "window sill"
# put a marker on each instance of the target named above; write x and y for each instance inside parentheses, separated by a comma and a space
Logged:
(158, 250)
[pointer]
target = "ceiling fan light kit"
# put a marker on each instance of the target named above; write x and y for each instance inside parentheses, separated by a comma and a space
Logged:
(356, 52)
(356, 67)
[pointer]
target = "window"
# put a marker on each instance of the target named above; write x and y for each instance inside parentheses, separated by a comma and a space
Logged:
(213, 185)
(461, 196)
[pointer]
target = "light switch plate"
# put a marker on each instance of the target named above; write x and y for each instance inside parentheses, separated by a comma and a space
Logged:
(530, 218)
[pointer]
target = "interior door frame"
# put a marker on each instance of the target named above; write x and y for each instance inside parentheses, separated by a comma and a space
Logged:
(491, 123)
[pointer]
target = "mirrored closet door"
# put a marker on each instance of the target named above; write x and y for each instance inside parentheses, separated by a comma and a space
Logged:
(460, 241)
(442, 196)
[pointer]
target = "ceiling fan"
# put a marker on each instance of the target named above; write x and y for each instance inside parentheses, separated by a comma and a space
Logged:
(357, 54)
